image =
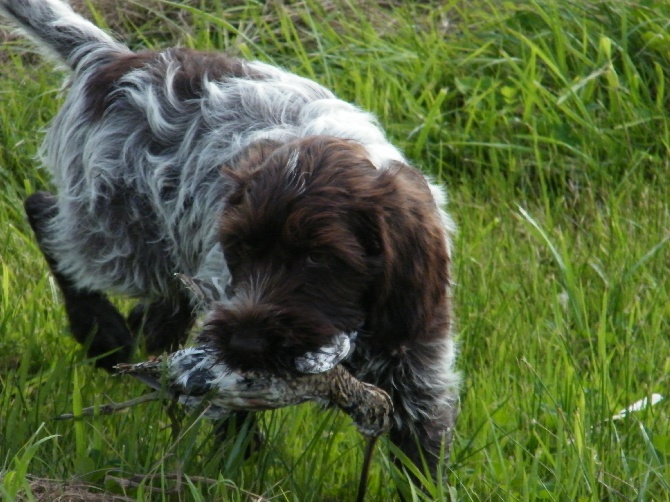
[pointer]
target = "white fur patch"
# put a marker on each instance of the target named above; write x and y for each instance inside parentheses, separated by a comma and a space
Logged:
(327, 357)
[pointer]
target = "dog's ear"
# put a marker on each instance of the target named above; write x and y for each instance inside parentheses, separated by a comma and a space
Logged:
(241, 169)
(367, 229)
(409, 300)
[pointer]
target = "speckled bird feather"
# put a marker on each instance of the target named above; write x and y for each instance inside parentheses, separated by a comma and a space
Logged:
(194, 376)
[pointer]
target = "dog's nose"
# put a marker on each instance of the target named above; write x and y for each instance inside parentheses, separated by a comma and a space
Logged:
(248, 340)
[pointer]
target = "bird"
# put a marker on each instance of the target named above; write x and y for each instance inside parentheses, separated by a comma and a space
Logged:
(198, 379)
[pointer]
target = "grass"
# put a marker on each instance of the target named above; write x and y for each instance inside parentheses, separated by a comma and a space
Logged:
(547, 120)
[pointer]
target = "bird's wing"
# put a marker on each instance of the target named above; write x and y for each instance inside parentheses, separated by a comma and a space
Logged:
(327, 357)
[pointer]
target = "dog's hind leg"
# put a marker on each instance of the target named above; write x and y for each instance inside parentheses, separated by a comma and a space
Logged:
(94, 321)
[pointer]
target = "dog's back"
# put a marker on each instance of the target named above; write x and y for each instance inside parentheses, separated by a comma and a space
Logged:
(137, 149)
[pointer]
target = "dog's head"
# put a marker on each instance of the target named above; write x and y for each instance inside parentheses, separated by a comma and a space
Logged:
(319, 242)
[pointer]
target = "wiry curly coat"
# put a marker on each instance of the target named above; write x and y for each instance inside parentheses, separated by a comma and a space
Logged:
(244, 174)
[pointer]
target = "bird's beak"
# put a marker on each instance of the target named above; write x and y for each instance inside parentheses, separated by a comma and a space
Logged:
(202, 291)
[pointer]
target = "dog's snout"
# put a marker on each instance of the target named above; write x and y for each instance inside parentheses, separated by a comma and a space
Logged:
(249, 340)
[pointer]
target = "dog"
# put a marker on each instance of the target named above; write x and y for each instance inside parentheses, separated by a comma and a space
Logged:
(290, 201)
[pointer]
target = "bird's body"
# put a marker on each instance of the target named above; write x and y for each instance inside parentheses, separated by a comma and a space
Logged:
(196, 378)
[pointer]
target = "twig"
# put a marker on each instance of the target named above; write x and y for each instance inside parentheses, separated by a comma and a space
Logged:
(172, 477)
(108, 409)
(129, 483)
(137, 480)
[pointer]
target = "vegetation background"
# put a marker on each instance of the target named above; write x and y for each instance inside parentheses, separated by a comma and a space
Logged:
(548, 121)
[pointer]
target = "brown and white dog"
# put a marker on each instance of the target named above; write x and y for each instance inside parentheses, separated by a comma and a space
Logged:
(291, 201)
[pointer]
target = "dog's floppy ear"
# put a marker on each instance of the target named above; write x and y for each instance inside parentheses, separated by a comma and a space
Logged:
(409, 300)
(367, 229)
(240, 170)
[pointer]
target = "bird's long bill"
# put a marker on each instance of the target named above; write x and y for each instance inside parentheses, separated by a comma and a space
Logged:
(202, 291)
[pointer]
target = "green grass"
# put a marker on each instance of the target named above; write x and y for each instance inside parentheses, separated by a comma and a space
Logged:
(547, 120)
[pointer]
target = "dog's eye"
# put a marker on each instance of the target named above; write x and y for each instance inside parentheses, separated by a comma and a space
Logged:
(317, 258)
(238, 247)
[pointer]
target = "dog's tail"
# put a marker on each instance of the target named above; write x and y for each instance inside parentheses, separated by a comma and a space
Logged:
(59, 31)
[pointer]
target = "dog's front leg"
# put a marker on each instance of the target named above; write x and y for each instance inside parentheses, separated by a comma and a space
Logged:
(94, 321)
(426, 439)
(423, 385)
(164, 323)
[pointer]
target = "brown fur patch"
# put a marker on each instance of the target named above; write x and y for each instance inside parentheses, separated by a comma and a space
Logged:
(327, 245)
(193, 68)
